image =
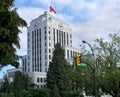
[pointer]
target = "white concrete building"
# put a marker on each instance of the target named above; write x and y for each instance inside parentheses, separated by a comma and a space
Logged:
(24, 63)
(10, 73)
(42, 35)
(38, 79)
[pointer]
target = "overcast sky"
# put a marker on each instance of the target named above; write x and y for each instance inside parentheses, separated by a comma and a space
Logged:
(88, 19)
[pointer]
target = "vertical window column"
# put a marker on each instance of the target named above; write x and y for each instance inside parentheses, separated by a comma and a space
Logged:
(40, 50)
(35, 50)
(64, 39)
(67, 53)
(67, 40)
(38, 55)
(71, 40)
(54, 36)
(57, 36)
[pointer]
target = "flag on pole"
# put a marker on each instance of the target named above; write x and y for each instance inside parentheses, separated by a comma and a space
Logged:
(52, 10)
(71, 60)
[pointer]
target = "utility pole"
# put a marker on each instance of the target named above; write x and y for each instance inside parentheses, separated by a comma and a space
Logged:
(93, 69)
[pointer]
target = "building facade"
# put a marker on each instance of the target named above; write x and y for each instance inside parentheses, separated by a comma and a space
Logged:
(24, 63)
(10, 73)
(42, 35)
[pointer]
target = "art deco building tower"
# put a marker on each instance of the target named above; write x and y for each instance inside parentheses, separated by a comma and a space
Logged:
(43, 33)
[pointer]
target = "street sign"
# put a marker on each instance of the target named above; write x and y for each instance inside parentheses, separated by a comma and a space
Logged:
(83, 64)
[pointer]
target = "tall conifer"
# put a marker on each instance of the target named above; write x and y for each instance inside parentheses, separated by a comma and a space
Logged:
(57, 73)
(9, 31)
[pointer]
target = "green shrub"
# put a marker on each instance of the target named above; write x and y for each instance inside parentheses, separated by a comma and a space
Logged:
(36, 93)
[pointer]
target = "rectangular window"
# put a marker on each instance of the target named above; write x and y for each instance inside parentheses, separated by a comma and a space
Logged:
(45, 32)
(71, 53)
(44, 79)
(49, 57)
(28, 40)
(28, 69)
(68, 53)
(40, 31)
(67, 40)
(45, 63)
(45, 57)
(64, 39)
(45, 38)
(54, 35)
(37, 80)
(46, 69)
(45, 50)
(41, 80)
(70, 36)
(57, 35)
(49, 50)
(28, 34)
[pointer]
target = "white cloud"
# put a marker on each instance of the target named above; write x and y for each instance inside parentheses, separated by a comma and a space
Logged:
(29, 13)
(101, 17)
(45, 3)
(23, 42)
(20, 1)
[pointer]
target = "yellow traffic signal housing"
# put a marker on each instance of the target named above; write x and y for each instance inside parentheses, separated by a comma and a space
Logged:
(78, 59)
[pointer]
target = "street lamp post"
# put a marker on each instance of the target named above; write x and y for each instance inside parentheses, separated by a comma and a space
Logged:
(93, 69)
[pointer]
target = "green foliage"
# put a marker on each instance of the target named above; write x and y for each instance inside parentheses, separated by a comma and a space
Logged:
(21, 82)
(26, 93)
(7, 95)
(108, 52)
(36, 93)
(82, 77)
(57, 73)
(5, 86)
(9, 39)
(72, 94)
(109, 80)
(47, 93)
(55, 92)
(107, 59)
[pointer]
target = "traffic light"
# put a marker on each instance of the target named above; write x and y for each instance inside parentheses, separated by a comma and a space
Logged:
(78, 59)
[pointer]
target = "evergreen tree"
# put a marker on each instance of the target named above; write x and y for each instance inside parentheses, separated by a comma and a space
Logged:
(5, 86)
(20, 82)
(57, 74)
(55, 92)
(9, 39)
